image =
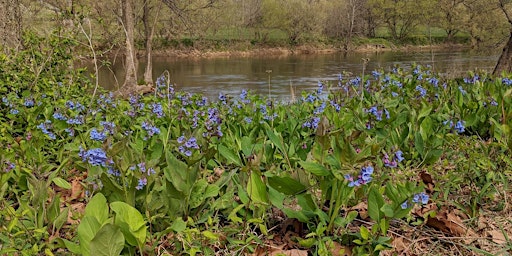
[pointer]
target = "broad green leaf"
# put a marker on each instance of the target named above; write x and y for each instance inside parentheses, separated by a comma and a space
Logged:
(178, 225)
(211, 191)
(419, 144)
(276, 140)
(365, 233)
(426, 128)
(388, 210)
(97, 208)
(176, 172)
(425, 111)
(86, 230)
(109, 241)
(229, 155)
(197, 194)
(276, 198)
(131, 222)
(61, 219)
(375, 203)
(247, 145)
(62, 183)
(72, 247)
(210, 235)
(256, 188)
(315, 168)
(286, 185)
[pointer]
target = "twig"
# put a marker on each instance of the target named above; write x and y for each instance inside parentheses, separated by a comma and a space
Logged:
(94, 58)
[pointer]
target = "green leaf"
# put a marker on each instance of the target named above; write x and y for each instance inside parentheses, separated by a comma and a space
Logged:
(97, 208)
(375, 203)
(425, 110)
(176, 172)
(418, 143)
(62, 183)
(426, 128)
(256, 188)
(286, 185)
(131, 222)
(229, 155)
(210, 235)
(315, 168)
(197, 194)
(72, 247)
(179, 225)
(86, 230)
(276, 140)
(388, 210)
(247, 145)
(109, 241)
(61, 219)
(365, 233)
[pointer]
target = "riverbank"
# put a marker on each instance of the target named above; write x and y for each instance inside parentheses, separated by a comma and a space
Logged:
(302, 49)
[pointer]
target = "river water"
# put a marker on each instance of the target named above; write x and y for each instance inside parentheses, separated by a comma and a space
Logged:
(229, 75)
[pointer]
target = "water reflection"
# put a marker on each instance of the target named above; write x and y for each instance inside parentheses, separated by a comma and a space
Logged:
(230, 75)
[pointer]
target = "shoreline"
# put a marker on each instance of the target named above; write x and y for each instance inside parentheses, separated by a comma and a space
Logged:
(298, 50)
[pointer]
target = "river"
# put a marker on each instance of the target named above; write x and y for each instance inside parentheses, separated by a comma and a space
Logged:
(230, 75)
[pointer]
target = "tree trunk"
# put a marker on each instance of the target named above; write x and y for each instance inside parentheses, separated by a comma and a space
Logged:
(148, 31)
(10, 25)
(130, 54)
(505, 61)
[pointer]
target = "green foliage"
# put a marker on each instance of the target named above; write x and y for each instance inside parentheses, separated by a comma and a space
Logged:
(176, 167)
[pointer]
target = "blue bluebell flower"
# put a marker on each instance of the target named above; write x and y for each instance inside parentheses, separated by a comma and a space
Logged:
(95, 156)
(14, 111)
(376, 74)
(78, 120)
(459, 126)
(506, 81)
(113, 172)
(222, 98)
(364, 177)
(405, 205)
(434, 81)
(420, 198)
(320, 87)
(248, 119)
(141, 183)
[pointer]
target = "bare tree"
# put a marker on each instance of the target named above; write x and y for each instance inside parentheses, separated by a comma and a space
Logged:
(130, 54)
(10, 24)
(505, 61)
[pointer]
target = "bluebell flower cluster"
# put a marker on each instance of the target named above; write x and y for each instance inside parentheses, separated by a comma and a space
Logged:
(29, 102)
(335, 105)
(506, 81)
(95, 157)
(59, 116)
(185, 98)
(377, 113)
(320, 88)
(376, 74)
(393, 162)
(364, 177)
(312, 123)
(421, 90)
(150, 129)
(459, 126)
(157, 109)
(355, 81)
(108, 126)
(186, 146)
(433, 81)
(46, 129)
(202, 102)
(106, 100)
(243, 97)
(114, 172)
(310, 98)
(213, 123)
(420, 198)
(98, 136)
(14, 111)
(141, 183)
(74, 106)
(222, 98)
(78, 120)
(472, 80)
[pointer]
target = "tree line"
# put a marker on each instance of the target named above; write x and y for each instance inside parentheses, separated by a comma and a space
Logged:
(140, 24)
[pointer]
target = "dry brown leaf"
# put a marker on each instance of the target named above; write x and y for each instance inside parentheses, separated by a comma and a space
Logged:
(362, 209)
(337, 249)
(75, 208)
(451, 223)
(77, 189)
(398, 244)
(497, 236)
